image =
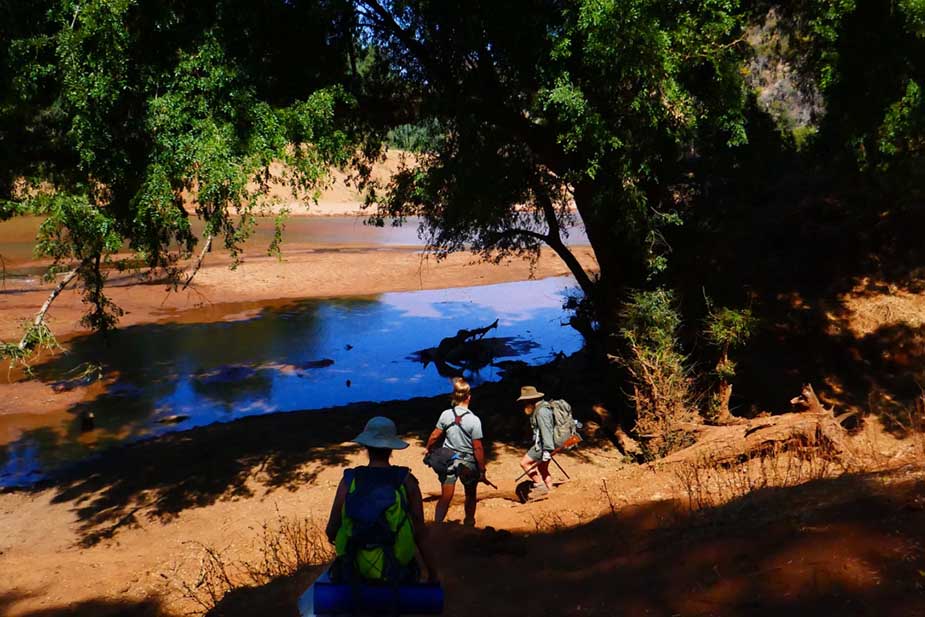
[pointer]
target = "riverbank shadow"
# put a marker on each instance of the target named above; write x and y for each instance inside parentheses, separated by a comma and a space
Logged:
(222, 363)
(161, 477)
(849, 546)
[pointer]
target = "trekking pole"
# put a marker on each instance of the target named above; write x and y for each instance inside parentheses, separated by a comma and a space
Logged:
(572, 441)
(532, 467)
(560, 467)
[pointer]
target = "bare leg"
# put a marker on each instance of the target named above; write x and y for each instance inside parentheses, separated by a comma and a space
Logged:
(471, 502)
(443, 505)
(543, 469)
(532, 469)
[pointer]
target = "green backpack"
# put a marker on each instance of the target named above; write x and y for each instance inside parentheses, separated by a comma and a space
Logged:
(375, 541)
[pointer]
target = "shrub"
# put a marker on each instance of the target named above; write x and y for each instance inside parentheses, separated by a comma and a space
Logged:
(658, 371)
(725, 329)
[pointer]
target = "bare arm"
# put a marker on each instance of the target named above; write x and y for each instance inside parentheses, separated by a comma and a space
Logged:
(479, 452)
(421, 533)
(336, 509)
(433, 439)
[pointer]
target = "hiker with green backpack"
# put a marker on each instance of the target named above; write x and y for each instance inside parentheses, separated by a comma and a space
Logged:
(377, 518)
(553, 428)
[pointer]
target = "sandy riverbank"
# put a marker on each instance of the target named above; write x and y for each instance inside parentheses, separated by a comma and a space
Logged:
(119, 535)
(304, 272)
(219, 293)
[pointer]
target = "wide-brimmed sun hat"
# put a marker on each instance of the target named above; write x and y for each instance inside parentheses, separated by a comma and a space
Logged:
(380, 432)
(529, 393)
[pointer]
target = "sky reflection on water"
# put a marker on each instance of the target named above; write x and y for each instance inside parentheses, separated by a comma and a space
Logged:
(304, 355)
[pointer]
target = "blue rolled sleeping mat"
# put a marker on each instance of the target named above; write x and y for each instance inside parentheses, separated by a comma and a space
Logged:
(408, 599)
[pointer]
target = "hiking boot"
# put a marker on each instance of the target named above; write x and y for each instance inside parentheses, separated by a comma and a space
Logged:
(469, 522)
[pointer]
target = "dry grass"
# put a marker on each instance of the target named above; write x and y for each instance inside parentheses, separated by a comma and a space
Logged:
(707, 483)
(283, 546)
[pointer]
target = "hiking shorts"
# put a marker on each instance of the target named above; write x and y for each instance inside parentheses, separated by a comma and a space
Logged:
(535, 454)
(467, 479)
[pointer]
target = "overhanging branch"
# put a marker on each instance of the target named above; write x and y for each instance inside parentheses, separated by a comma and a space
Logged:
(202, 255)
(40, 316)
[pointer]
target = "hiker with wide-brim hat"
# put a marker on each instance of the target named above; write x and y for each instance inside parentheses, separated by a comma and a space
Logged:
(377, 518)
(536, 461)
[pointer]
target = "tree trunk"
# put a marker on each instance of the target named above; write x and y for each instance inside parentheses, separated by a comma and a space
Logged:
(40, 316)
(721, 403)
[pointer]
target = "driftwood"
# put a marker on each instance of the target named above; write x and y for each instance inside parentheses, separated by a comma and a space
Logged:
(811, 425)
(466, 350)
(612, 429)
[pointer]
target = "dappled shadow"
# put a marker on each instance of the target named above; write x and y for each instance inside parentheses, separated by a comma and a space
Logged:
(797, 252)
(159, 478)
(102, 607)
(849, 546)
(880, 372)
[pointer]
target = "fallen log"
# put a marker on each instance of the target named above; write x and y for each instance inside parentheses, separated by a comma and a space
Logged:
(612, 429)
(813, 425)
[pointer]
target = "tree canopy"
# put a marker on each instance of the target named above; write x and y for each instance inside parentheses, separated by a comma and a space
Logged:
(121, 119)
(600, 106)
(116, 114)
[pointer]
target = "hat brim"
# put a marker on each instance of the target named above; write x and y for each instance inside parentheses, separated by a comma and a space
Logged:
(377, 441)
(534, 397)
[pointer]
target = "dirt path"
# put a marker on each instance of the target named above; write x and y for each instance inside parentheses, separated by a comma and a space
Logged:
(116, 535)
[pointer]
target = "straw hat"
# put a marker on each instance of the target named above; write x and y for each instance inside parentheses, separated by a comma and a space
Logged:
(380, 432)
(529, 393)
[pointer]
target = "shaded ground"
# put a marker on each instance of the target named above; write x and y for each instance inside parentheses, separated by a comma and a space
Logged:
(851, 546)
(834, 270)
(160, 478)
(848, 546)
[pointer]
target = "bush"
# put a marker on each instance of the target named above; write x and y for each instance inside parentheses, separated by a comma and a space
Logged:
(425, 136)
(283, 547)
(725, 329)
(658, 371)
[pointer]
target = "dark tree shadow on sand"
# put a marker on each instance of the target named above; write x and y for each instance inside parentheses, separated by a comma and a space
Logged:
(160, 478)
(91, 608)
(851, 546)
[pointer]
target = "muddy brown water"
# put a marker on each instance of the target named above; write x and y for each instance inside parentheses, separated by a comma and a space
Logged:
(17, 236)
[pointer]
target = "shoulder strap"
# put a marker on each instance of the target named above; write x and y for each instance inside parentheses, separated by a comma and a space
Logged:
(457, 421)
(395, 475)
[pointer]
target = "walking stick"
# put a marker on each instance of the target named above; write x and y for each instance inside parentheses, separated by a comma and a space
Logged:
(560, 467)
(574, 440)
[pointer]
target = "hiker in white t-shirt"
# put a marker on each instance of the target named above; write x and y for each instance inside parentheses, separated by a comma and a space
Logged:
(462, 432)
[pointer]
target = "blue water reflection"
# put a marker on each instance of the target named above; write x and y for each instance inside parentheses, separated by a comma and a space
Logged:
(305, 355)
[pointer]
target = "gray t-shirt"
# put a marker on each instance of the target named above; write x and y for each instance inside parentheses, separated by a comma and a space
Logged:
(455, 438)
